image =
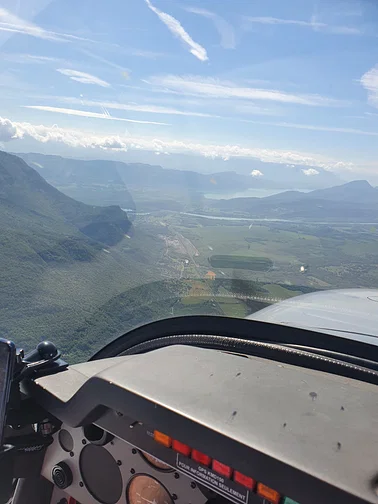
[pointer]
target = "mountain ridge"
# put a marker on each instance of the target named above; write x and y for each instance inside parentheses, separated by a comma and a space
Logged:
(23, 188)
(355, 201)
(61, 171)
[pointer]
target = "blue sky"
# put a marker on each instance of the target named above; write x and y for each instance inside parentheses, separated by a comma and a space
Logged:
(293, 82)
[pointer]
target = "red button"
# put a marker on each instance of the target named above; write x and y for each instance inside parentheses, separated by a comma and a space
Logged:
(181, 448)
(222, 469)
(201, 458)
(246, 481)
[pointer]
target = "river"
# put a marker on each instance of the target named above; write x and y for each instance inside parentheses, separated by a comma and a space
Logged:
(292, 221)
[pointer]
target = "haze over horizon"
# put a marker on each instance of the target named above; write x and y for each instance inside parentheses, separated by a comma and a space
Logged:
(155, 80)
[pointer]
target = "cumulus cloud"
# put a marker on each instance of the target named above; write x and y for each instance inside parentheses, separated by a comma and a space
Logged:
(224, 28)
(370, 82)
(310, 172)
(85, 113)
(175, 27)
(8, 131)
(83, 77)
(256, 173)
(78, 138)
(214, 88)
(313, 24)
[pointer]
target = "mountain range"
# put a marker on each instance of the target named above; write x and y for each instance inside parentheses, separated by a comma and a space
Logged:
(355, 201)
(283, 176)
(113, 181)
(151, 187)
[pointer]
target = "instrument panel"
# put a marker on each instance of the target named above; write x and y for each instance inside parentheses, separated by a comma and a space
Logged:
(113, 473)
(90, 465)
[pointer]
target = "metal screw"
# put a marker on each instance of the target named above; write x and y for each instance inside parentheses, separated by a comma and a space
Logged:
(71, 454)
(177, 475)
(174, 496)
(84, 441)
(132, 471)
(134, 451)
(119, 463)
(193, 485)
(119, 413)
(81, 484)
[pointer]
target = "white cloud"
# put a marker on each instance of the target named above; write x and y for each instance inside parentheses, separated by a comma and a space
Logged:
(370, 82)
(27, 58)
(84, 113)
(103, 60)
(78, 138)
(223, 89)
(8, 131)
(313, 24)
(277, 21)
(310, 172)
(13, 24)
(175, 27)
(223, 27)
(312, 127)
(151, 109)
(83, 77)
(257, 173)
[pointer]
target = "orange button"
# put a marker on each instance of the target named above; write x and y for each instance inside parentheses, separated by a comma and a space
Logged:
(163, 439)
(268, 493)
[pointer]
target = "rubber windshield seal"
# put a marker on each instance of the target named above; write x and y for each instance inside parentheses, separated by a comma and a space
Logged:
(246, 329)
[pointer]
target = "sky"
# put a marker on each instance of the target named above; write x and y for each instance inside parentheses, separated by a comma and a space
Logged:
(292, 82)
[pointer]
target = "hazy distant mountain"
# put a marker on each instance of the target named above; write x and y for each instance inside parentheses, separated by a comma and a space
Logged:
(358, 191)
(123, 177)
(61, 171)
(355, 201)
(279, 175)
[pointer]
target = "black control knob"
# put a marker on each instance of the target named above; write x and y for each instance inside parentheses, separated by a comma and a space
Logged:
(47, 350)
(62, 475)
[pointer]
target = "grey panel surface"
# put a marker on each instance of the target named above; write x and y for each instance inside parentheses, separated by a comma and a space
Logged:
(248, 411)
(350, 313)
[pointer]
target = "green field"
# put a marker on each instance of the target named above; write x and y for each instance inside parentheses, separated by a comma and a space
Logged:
(241, 262)
(339, 256)
(277, 291)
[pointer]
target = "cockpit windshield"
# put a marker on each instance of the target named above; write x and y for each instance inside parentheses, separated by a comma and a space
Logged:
(163, 158)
